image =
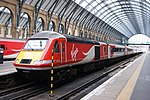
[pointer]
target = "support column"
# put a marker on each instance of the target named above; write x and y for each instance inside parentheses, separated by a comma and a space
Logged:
(56, 27)
(31, 27)
(36, 13)
(77, 31)
(14, 24)
(2, 30)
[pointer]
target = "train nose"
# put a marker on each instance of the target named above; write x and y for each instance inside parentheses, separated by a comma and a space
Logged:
(29, 57)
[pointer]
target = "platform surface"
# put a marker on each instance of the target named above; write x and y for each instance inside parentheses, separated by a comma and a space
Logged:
(131, 83)
(7, 68)
(142, 88)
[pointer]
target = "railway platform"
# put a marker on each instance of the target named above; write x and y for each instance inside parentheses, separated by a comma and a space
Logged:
(131, 83)
(7, 68)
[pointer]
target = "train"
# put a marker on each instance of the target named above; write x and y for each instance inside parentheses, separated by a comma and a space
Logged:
(66, 52)
(11, 47)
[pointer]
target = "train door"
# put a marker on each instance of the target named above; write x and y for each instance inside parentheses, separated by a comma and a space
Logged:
(57, 52)
(104, 51)
(97, 53)
(63, 49)
(109, 51)
(126, 50)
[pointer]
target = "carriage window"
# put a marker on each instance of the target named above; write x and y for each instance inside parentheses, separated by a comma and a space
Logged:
(117, 49)
(56, 47)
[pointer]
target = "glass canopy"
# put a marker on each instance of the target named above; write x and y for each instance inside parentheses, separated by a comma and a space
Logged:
(127, 16)
(112, 18)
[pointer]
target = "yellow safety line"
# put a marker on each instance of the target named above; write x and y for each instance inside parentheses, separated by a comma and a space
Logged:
(128, 89)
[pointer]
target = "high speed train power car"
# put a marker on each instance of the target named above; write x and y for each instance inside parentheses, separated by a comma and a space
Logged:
(36, 55)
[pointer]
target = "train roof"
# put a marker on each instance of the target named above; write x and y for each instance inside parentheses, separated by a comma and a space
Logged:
(103, 43)
(51, 34)
(47, 34)
(117, 45)
(80, 40)
(11, 40)
(129, 47)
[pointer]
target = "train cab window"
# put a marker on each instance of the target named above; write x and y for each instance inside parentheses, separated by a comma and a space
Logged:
(2, 46)
(36, 44)
(56, 47)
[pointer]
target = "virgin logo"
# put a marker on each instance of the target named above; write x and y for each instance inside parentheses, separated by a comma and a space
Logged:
(74, 53)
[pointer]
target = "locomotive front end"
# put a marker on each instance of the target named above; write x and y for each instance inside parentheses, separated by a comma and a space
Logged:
(32, 56)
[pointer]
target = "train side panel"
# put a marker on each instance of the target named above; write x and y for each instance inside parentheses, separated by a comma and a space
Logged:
(129, 50)
(73, 53)
(79, 53)
(11, 47)
(103, 51)
(116, 50)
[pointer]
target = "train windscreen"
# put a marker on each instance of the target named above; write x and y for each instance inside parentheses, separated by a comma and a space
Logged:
(35, 44)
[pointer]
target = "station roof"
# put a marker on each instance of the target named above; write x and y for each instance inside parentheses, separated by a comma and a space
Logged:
(129, 17)
(71, 9)
(117, 17)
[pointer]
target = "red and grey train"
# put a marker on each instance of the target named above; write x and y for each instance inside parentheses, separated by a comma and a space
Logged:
(36, 55)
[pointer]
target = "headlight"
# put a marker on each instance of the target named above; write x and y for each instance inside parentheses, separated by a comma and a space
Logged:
(17, 61)
(42, 62)
(35, 62)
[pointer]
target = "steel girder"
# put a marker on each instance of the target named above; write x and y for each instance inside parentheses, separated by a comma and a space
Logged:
(52, 8)
(62, 12)
(36, 12)
(70, 15)
(19, 9)
(128, 10)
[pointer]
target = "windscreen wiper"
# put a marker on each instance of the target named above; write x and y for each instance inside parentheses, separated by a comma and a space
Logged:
(30, 47)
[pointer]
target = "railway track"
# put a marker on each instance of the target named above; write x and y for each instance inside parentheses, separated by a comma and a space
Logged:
(24, 91)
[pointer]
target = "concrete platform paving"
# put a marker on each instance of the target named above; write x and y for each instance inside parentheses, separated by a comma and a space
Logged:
(121, 85)
(7, 68)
